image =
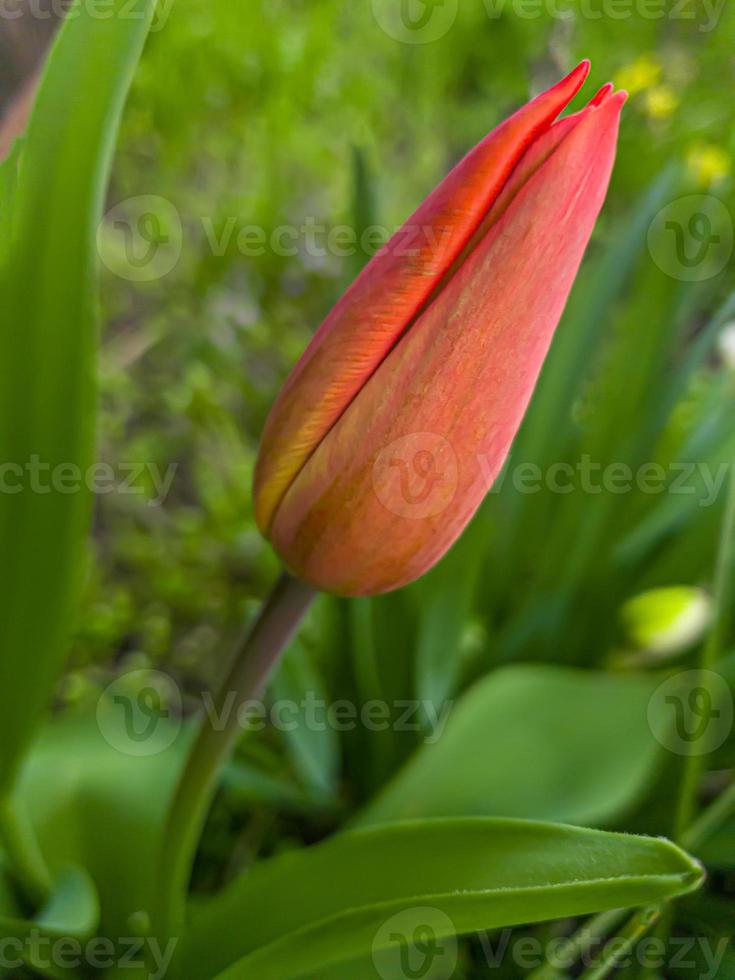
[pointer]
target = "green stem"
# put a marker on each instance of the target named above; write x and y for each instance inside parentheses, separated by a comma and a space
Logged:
(623, 943)
(259, 654)
(587, 936)
(711, 652)
(25, 860)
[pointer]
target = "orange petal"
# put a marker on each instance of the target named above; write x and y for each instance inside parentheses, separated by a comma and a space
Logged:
(390, 294)
(399, 475)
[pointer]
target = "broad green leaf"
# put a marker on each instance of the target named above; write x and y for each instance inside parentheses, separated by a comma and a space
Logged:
(71, 913)
(532, 741)
(97, 802)
(47, 352)
(98, 799)
(292, 915)
(72, 910)
(376, 966)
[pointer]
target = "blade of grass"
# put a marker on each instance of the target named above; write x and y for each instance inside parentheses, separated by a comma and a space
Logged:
(51, 209)
(711, 819)
(583, 940)
(48, 339)
(623, 943)
(711, 653)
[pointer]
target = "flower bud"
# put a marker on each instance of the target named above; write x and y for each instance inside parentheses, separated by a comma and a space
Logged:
(398, 417)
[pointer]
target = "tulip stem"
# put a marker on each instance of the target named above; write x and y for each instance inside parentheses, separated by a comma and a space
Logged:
(255, 660)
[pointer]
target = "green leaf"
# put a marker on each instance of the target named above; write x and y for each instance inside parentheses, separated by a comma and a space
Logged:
(73, 910)
(718, 851)
(97, 804)
(250, 786)
(48, 348)
(382, 634)
(294, 914)
(8, 186)
(532, 741)
(445, 599)
(314, 749)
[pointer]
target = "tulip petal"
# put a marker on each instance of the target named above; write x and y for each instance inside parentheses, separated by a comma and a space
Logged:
(390, 294)
(441, 410)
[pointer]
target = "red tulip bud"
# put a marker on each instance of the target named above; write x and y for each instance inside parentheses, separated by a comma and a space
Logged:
(399, 415)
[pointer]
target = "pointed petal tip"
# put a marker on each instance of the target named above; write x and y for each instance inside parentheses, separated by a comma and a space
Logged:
(607, 101)
(562, 92)
(601, 95)
(615, 102)
(577, 76)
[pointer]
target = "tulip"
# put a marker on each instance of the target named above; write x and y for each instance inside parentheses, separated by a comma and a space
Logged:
(398, 417)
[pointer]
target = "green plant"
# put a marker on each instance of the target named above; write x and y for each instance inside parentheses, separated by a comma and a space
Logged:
(485, 847)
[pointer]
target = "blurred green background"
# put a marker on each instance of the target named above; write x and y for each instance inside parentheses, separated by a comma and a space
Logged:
(281, 113)
(323, 116)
